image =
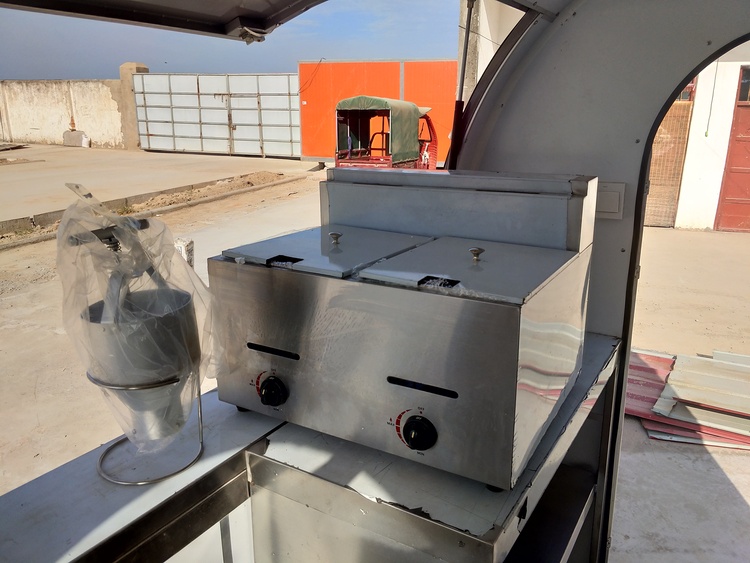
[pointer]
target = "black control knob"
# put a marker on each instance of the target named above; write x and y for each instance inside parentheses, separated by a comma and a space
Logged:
(419, 433)
(273, 392)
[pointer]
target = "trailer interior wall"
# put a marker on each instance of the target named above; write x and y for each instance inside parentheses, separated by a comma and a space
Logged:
(585, 95)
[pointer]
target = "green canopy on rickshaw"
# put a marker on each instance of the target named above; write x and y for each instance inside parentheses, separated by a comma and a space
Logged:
(404, 122)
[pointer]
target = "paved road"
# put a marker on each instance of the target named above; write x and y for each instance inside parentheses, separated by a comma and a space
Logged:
(38, 186)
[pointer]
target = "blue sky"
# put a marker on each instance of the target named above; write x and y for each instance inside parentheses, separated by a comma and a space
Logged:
(42, 46)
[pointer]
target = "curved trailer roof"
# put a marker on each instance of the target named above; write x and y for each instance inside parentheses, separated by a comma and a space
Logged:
(247, 20)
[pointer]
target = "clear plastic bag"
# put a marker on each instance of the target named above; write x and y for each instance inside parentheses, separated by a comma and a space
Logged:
(138, 315)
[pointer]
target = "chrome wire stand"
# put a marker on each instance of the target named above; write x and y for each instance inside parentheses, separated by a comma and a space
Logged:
(141, 387)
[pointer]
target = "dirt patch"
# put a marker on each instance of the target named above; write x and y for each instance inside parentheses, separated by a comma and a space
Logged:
(21, 270)
(29, 265)
(216, 188)
(162, 200)
(6, 161)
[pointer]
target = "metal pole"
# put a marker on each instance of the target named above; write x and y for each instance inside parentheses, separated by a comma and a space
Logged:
(465, 54)
(457, 134)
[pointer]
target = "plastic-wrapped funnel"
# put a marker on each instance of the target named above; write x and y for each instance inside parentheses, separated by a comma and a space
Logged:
(144, 359)
(140, 319)
(154, 338)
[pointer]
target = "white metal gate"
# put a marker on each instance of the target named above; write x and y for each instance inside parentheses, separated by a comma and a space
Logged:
(247, 114)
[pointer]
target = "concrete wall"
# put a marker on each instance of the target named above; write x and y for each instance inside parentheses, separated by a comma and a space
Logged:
(4, 126)
(126, 99)
(706, 155)
(40, 111)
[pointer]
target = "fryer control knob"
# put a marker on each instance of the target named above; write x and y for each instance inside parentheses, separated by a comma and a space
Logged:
(273, 392)
(419, 433)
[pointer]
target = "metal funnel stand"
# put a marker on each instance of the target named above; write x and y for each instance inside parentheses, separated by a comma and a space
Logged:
(124, 441)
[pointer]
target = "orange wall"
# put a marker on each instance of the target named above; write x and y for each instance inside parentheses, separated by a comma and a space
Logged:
(322, 85)
(433, 84)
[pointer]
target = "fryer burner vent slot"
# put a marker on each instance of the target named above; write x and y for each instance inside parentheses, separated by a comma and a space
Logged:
(434, 281)
(422, 387)
(275, 351)
(282, 261)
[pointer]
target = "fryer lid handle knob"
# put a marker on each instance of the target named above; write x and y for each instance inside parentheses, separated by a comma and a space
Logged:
(475, 252)
(335, 236)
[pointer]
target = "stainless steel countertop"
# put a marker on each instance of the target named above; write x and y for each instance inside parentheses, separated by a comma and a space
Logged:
(66, 512)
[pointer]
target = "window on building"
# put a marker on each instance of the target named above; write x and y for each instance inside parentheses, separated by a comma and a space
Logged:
(745, 85)
(688, 93)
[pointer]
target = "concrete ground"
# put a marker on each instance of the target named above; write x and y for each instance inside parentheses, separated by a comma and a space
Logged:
(674, 502)
(680, 502)
(38, 186)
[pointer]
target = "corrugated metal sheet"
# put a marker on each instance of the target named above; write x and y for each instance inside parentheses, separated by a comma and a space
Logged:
(650, 374)
(647, 376)
(243, 114)
(720, 386)
(669, 433)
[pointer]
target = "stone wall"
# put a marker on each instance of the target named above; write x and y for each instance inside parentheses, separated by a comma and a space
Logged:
(40, 111)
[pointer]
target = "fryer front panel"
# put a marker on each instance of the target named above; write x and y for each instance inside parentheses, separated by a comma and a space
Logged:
(360, 359)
